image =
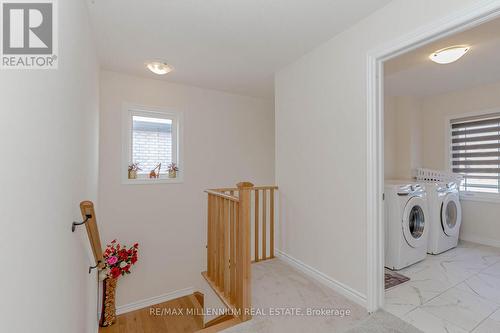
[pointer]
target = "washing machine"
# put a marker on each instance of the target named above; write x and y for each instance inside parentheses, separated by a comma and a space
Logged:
(406, 223)
(445, 216)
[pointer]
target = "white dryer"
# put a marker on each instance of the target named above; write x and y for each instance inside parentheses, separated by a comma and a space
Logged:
(445, 216)
(406, 224)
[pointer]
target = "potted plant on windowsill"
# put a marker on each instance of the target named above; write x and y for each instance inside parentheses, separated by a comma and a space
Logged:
(172, 170)
(118, 260)
(132, 170)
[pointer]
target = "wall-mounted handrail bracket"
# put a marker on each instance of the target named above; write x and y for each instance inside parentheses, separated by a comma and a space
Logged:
(75, 224)
(91, 268)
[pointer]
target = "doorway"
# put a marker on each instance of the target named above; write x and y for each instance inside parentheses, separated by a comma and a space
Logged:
(375, 130)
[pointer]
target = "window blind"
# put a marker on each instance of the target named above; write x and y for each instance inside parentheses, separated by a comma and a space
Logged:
(151, 143)
(475, 152)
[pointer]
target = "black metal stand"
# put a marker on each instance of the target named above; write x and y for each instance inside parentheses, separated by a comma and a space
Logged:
(91, 268)
(75, 224)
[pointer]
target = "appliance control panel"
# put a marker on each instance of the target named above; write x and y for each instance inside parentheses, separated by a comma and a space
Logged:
(410, 189)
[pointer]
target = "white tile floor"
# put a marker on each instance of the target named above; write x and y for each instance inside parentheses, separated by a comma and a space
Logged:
(456, 291)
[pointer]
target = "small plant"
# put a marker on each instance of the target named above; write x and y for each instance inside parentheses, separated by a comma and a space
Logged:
(172, 170)
(134, 167)
(118, 259)
(132, 170)
(172, 167)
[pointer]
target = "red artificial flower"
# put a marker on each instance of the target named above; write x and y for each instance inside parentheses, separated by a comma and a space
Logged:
(123, 254)
(133, 260)
(115, 272)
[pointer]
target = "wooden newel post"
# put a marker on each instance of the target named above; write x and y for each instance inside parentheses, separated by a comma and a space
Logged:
(244, 243)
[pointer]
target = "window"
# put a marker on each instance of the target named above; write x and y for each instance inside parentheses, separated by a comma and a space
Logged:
(475, 152)
(151, 140)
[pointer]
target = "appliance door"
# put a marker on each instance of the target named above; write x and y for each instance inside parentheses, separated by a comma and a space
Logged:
(451, 214)
(414, 222)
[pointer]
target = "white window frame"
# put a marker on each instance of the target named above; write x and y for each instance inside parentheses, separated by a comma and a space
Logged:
(131, 110)
(467, 195)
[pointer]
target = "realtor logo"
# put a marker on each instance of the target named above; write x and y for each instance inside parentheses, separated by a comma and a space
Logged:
(29, 34)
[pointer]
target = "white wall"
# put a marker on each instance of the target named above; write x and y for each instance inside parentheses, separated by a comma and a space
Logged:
(403, 136)
(227, 139)
(49, 134)
(321, 109)
(480, 219)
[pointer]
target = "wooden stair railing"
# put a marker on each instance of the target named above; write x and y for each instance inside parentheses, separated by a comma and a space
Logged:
(229, 236)
(263, 219)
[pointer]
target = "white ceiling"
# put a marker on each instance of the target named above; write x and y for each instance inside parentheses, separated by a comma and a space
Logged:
(413, 74)
(229, 45)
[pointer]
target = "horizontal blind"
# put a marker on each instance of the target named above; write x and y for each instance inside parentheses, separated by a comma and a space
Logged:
(475, 152)
(151, 143)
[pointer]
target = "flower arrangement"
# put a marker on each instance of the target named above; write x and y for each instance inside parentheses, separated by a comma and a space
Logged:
(119, 259)
(172, 170)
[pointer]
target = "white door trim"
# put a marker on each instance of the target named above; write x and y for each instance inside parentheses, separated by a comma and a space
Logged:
(462, 20)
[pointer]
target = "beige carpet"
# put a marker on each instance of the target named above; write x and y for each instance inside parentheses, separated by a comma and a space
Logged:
(277, 285)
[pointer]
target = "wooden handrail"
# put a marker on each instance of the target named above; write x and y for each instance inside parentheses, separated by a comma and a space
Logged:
(87, 209)
(222, 195)
(235, 189)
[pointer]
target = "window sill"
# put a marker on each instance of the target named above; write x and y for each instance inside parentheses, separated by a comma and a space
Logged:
(152, 181)
(481, 197)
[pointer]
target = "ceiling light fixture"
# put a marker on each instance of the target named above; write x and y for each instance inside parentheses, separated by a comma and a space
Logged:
(449, 54)
(160, 68)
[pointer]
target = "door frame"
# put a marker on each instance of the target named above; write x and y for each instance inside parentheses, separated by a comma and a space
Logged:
(463, 20)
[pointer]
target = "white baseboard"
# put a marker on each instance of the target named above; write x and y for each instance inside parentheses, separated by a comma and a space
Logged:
(153, 300)
(480, 240)
(337, 286)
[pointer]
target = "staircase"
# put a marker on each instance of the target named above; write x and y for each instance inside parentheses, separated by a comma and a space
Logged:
(240, 231)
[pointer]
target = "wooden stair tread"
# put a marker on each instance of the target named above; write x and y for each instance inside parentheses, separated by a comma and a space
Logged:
(142, 321)
(196, 306)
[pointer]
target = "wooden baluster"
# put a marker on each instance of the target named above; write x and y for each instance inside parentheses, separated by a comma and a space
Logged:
(212, 237)
(264, 226)
(226, 246)
(256, 236)
(216, 243)
(232, 255)
(209, 235)
(238, 278)
(271, 222)
(221, 244)
(244, 244)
